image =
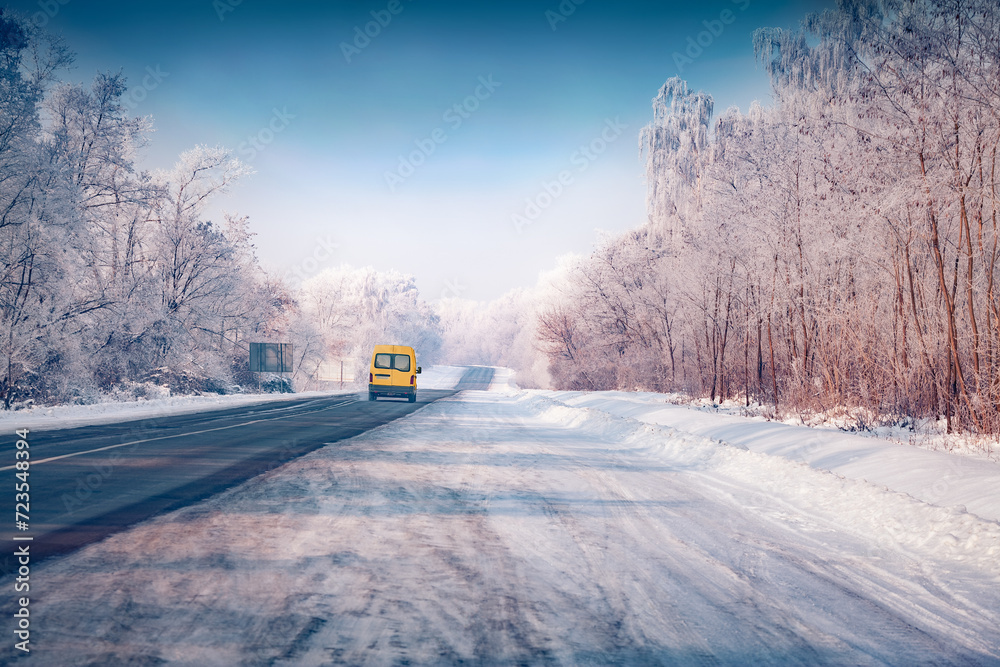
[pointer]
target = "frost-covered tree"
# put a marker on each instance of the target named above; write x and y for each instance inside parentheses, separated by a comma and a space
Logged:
(111, 277)
(837, 249)
(36, 213)
(356, 309)
(675, 146)
(93, 141)
(498, 333)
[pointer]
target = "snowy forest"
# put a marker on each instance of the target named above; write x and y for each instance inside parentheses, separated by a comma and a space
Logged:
(834, 249)
(115, 285)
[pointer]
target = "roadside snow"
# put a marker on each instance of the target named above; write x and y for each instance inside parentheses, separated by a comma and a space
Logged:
(503, 381)
(72, 416)
(772, 457)
(510, 527)
(440, 377)
(923, 432)
(938, 478)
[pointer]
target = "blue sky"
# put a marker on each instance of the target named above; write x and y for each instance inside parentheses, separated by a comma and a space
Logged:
(434, 131)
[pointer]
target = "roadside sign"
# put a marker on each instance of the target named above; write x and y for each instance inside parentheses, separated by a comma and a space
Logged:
(271, 357)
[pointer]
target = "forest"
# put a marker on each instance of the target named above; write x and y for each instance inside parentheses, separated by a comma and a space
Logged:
(116, 286)
(836, 249)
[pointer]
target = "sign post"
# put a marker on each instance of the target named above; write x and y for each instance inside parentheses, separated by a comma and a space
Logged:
(270, 358)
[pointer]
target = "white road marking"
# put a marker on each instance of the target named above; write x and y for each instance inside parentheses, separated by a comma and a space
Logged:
(176, 435)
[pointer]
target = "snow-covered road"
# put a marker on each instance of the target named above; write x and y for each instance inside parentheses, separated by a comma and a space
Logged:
(508, 528)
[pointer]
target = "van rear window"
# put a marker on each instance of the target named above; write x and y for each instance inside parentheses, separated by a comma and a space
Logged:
(401, 362)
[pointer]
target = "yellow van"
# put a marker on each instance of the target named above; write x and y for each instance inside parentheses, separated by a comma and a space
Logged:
(393, 373)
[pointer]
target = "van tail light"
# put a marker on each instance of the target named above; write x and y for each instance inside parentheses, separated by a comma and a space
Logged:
(371, 378)
(413, 379)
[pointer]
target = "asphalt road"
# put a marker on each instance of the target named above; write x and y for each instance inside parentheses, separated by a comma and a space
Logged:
(87, 483)
(494, 531)
(477, 378)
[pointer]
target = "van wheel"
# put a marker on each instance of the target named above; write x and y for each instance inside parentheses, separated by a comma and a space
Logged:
(371, 396)
(412, 398)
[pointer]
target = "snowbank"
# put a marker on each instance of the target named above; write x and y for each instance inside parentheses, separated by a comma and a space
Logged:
(806, 469)
(440, 377)
(938, 478)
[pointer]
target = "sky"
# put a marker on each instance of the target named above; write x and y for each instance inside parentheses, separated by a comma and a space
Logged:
(469, 144)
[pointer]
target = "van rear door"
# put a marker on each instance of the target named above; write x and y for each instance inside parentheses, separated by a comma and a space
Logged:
(392, 366)
(382, 366)
(401, 367)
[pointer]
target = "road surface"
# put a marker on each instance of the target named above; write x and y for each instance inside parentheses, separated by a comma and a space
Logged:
(488, 529)
(87, 483)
